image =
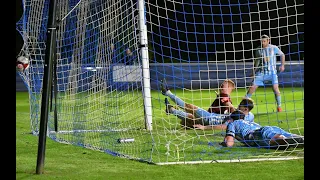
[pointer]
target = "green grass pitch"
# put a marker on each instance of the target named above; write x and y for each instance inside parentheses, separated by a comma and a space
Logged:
(73, 162)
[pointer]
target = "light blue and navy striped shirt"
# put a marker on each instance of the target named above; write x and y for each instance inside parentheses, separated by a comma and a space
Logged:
(240, 128)
(265, 59)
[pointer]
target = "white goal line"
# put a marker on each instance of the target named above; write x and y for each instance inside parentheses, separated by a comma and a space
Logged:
(231, 161)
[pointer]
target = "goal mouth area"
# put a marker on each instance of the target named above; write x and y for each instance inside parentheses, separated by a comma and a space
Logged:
(202, 152)
(266, 157)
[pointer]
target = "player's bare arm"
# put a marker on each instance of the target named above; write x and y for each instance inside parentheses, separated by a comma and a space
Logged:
(210, 127)
(281, 68)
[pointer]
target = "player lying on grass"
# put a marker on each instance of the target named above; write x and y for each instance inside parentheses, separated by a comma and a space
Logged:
(191, 114)
(223, 104)
(246, 105)
(254, 135)
(194, 115)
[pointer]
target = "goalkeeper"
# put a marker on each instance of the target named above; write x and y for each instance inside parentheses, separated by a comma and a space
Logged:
(254, 135)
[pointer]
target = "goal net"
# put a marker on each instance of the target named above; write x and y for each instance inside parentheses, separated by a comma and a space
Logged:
(112, 55)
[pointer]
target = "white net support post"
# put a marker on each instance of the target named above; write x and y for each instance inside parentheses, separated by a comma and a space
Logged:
(145, 64)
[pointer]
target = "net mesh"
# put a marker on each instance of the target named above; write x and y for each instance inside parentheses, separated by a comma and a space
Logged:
(193, 44)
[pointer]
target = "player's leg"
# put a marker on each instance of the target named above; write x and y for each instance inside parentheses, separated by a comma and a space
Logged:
(273, 137)
(187, 119)
(280, 138)
(166, 91)
(195, 115)
(257, 81)
(190, 108)
(251, 90)
(209, 118)
(278, 142)
(277, 95)
(293, 140)
(283, 142)
(181, 114)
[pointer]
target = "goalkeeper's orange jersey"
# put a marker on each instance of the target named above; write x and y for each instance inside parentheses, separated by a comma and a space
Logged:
(219, 107)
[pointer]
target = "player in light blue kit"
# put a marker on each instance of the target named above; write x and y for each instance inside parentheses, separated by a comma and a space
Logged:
(191, 114)
(246, 105)
(194, 115)
(253, 134)
(265, 68)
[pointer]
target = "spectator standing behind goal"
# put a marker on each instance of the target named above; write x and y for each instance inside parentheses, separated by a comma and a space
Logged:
(265, 68)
